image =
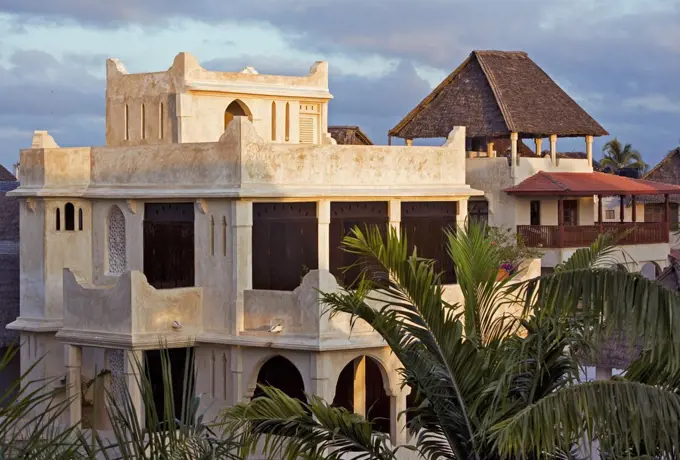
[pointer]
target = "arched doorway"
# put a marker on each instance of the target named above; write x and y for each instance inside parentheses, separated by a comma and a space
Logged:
(281, 374)
(361, 389)
(236, 109)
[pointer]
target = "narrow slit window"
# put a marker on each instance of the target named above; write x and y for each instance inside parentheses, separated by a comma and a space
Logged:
(274, 121)
(224, 236)
(160, 121)
(287, 122)
(58, 220)
(127, 122)
(143, 122)
(80, 219)
(212, 236)
(69, 217)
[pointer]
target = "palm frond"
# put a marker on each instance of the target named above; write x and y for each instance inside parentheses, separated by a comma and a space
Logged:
(283, 427)
(626, 410)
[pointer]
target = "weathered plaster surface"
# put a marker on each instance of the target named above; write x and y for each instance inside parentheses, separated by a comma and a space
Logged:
(129, 311)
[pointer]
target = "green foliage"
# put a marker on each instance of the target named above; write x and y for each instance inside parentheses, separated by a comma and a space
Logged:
(511, 247)
(618, 156)
(31, 424)
(493, 381)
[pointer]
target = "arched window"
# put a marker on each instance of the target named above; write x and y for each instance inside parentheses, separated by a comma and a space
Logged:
(80, 219)
(160, 121)
(143, 121)
(127, 122)
(116, 241)
(236, 109)
(58, 220)
(287, 122)
(69, 217)
(274, 121)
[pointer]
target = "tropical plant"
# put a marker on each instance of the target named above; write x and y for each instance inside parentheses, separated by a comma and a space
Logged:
(491, 381)
(31, 423)
(512, 250)
(618, 156)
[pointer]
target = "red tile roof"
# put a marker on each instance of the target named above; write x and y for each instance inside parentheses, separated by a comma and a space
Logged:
(585, 184)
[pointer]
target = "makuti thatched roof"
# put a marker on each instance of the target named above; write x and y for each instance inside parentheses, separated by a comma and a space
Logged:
(666, 171)
(350, 135)
(494, 93)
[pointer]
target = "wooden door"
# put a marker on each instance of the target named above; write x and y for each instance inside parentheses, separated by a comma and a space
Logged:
(570, 212)
(169, 245)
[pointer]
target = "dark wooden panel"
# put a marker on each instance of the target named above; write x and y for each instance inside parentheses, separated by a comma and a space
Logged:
(169, 254)
(344, 217)
(181, 361)
(285, 244)
(169, 212)
(424, 225)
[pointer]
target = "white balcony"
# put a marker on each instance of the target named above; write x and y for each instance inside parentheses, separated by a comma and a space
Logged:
(130, 313)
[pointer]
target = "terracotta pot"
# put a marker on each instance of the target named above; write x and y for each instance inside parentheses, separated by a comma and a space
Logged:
(501, 275)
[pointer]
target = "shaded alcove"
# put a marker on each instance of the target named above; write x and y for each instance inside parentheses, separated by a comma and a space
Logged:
(236, 109)
(280, 373)
(376, 402)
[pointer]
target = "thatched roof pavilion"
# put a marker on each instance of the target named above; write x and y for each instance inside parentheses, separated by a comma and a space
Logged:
(349, 135)
(499, 95)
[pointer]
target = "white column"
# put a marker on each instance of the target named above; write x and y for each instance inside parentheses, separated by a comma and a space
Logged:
(237, 385)
(398, 424)
(394, 211)
(490, 152)
(133, 362)
(73, 358)
(242, 270)
(323, 215)
(539, 146)
(360, 386)
(589, 150)
(461, 212)
(514, 137)
(553, 149)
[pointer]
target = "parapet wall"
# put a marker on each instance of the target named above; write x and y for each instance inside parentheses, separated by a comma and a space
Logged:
(242, 164)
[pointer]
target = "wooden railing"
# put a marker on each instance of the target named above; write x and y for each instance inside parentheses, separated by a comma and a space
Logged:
(577, 236)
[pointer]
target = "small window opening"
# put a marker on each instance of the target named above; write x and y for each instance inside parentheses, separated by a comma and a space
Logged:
(69, 217)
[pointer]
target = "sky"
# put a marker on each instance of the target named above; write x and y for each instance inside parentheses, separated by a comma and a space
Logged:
(619, 59)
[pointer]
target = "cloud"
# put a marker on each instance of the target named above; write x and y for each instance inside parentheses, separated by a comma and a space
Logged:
(618, 58)
(37, 91)
(653, 102)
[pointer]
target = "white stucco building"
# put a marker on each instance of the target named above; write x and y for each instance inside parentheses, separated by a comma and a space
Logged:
(208, 222)
(215, 213)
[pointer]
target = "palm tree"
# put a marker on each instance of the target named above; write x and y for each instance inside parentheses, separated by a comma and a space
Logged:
(491, 382)
(31, 415)
(617, 156)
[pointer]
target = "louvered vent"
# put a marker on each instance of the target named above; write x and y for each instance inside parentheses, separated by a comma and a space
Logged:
(308, 129)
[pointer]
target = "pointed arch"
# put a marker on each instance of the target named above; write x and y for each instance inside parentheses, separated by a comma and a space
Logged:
(116, 241)
(58, 220)
(80, 219)
(69, 217)
(236, 109)
(280, 373)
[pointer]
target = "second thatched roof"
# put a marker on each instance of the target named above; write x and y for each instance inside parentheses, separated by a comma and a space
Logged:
(495, 93)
